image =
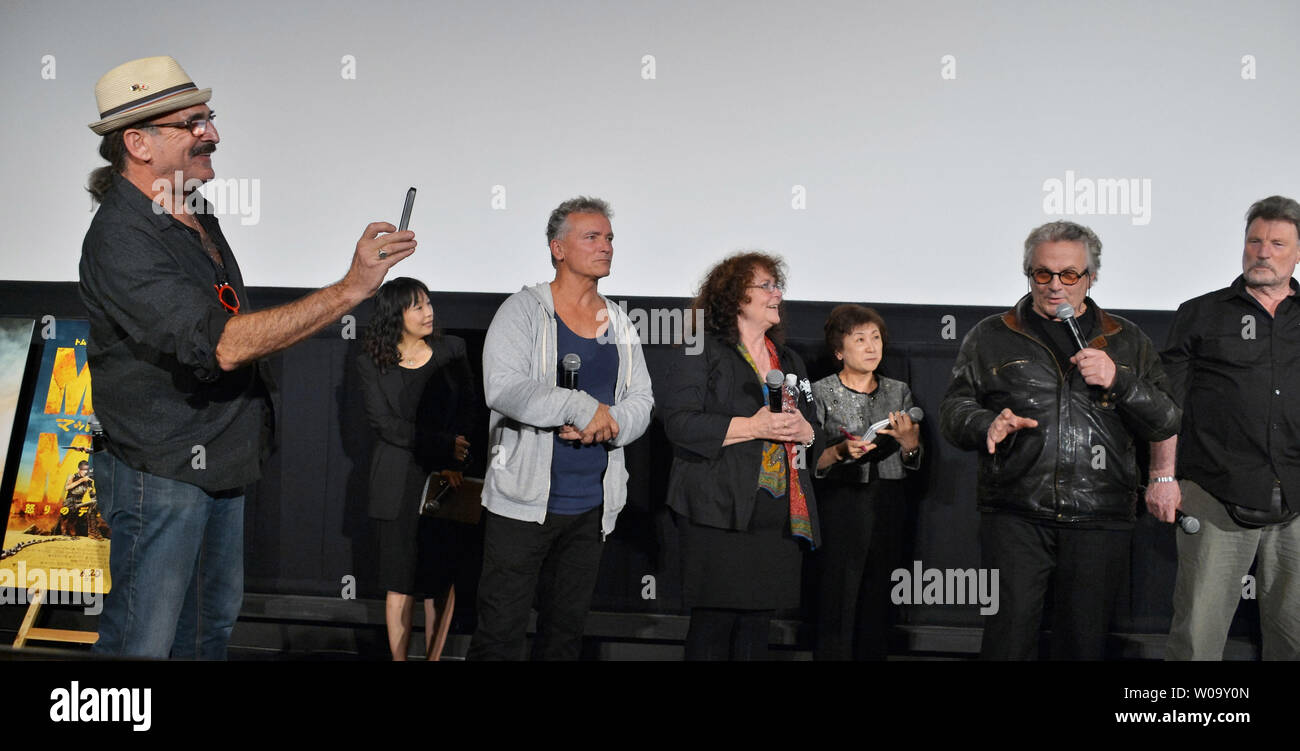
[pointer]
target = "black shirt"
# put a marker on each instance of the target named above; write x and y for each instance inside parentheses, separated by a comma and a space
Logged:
(435, 406)
(1232, 367)
(155, 320)
(1056, 334)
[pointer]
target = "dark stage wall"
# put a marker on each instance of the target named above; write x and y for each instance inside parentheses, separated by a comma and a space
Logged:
(306, 523)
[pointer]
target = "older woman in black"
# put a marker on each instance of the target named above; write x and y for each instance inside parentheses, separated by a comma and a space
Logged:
(419, 394)
(740, 486)
(861, 497)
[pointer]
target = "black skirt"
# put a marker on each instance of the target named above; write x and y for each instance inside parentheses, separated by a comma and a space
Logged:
(754, 569)
(413, 549)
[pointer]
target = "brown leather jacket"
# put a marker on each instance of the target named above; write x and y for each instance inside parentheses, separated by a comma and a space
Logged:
(1079, 463)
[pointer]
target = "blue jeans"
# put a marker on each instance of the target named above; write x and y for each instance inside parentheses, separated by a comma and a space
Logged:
(177, 565)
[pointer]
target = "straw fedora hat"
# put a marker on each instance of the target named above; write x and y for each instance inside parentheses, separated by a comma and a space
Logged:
(140, 89)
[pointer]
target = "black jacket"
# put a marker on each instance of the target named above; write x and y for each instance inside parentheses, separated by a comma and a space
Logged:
(1079, 463)
(712, 484)
(401, 439)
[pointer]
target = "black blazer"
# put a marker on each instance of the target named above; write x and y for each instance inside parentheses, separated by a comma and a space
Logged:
(712, 484)
(428, 438)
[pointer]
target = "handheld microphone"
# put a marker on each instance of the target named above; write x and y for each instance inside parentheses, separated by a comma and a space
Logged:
(916, 413)
(571, 364)
(1190, 524)
(1065, 312)
(775, 381)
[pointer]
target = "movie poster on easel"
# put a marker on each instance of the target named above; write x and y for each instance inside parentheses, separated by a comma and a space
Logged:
(55, 538)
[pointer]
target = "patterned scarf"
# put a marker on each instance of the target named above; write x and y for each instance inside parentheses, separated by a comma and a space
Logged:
(770, 476)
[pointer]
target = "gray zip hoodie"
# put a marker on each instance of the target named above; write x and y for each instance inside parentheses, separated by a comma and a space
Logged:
(519, 363)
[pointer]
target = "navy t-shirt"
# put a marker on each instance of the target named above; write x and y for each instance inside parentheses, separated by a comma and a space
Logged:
(577, 471)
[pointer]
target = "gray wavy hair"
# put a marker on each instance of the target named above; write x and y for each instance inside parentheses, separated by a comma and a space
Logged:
(1275, 208)
(555, 226)
(1067, 232)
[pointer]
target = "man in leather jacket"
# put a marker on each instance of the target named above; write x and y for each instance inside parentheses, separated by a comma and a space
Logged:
(1056, 425)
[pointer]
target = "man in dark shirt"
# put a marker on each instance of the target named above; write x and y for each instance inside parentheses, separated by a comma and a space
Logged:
(176, 350)
(1232, 360)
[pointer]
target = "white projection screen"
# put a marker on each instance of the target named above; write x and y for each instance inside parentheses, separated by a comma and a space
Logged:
(891, 152)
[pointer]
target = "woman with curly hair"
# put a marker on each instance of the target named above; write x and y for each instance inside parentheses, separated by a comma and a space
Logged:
(741, 487)
(419, 396)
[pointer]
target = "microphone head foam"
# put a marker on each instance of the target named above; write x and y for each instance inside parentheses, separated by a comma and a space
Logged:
(916, 413)
(774, 378)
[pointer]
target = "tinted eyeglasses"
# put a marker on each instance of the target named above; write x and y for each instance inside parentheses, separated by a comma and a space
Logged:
(226, 294)
(197, 126)
(1069, 277)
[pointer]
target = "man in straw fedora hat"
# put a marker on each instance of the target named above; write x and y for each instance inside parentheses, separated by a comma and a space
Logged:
(181, 387)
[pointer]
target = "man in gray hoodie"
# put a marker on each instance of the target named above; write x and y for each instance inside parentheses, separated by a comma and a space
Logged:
(556, 477)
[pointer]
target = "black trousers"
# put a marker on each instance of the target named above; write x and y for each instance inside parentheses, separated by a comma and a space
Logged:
(862, 542)
(720, 634)
(1086, 568)
(557, 562)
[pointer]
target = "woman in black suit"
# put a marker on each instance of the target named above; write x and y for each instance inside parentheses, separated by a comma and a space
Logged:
(741, 483)
(418, 390)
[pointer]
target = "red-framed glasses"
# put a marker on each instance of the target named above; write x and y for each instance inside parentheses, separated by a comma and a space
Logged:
(229, 299)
